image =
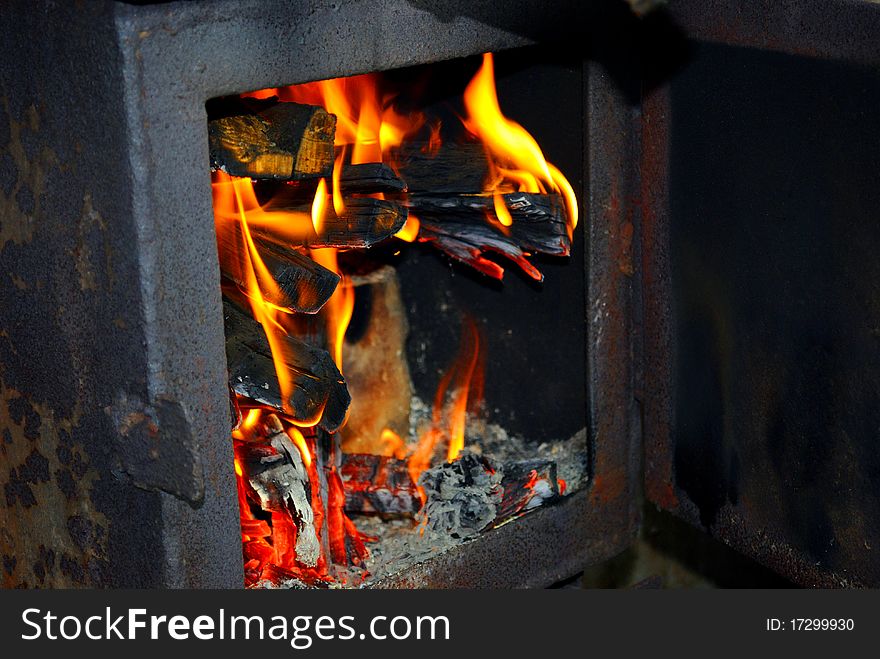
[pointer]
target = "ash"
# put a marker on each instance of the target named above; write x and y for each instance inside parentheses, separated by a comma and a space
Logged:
(463, 496)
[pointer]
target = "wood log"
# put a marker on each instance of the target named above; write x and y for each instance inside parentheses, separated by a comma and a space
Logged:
(280, 483)
(365, 222)
(364, 179)
(270, 139)
(370, 178)
(378, 484)
(526, 485)
(446, 195)
(456, 168)
(458, 226)
(303, 286)
(318, 389)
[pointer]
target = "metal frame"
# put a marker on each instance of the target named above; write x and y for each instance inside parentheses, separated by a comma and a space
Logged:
(114, 114)
(838, 29)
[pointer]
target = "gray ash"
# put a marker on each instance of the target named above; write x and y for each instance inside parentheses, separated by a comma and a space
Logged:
(462, 496)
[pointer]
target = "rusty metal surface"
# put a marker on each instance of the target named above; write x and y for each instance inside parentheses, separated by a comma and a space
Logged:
(116, 465)
(760, 371)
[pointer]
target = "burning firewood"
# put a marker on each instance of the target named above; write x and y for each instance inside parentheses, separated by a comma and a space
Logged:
(457, 225)
(378, 484)
(370, 178)
(269, 139)
(526, 485)
(280, 480)
(446, 194)
(365, 221)
(302, 285)
(317, 388)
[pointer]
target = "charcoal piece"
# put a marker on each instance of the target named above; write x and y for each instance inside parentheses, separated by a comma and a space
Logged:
(269, 139)
(462, 496)
(318, 389)
(378, 484)
(527, 485)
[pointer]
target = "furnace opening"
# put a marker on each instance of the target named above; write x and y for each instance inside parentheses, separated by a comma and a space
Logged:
(404, 306)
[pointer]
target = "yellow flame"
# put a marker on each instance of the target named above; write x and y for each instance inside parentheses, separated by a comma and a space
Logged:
(512, 151)
(319, 206)
(339, 307)
(392, 444)
(338, 203)
(410, 230)
(300, 442)
(251, 419)
(501, 210)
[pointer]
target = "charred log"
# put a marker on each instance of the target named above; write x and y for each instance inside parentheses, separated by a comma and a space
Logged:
(378, 484)
(370, 178)
(527, 485)
(365, 222)
(318, 389)
(302, 285)
(458, 225)
(270, 139)
(457, 168)
(446, 195)
(280, 483)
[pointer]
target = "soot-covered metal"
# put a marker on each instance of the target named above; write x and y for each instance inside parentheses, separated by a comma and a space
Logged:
(760, 187)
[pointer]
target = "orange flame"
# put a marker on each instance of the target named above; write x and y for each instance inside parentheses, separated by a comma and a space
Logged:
(516, 160)
(410, 230)
(339, 307)
(449, 421)
(365, 115)
(300, 442)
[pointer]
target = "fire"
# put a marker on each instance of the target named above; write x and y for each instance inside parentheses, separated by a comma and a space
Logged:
(337, 312)
(460, 389)
(319, 206)
(369, 129)
(410, 230)
(516, 161)
(366, 119)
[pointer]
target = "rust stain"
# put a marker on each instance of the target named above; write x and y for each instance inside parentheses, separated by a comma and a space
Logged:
(82, 253)
(608, 486)
(51, 532)
(624, 248)
(19, 208)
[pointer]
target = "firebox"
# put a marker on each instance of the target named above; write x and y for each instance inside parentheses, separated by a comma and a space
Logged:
(396, 293)
(389, 407)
